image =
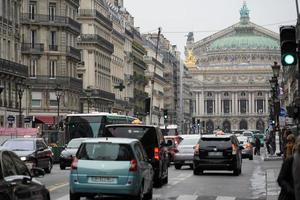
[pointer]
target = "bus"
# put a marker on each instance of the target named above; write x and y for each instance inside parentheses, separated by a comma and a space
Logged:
(92, 124)
(169, 130)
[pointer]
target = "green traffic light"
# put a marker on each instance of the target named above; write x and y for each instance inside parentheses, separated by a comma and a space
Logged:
(289, 59)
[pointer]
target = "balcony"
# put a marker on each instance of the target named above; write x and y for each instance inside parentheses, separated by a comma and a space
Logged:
(98, 40)
(74, 53)
(48, 20)
(65, 81)
(13, 68)
(53, 47)
(96, 14)
(32, 48)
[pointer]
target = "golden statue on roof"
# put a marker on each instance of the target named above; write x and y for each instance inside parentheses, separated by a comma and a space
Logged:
(190, 59)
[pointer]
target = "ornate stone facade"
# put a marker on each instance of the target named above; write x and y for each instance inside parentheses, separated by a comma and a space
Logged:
(230, 77)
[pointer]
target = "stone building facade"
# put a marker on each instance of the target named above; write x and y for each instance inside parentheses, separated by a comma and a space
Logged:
(229, 73)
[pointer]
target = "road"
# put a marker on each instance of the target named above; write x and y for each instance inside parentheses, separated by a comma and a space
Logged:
(258, 179)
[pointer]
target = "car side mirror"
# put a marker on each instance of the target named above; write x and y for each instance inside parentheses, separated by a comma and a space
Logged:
(37, 172)
(169, 143)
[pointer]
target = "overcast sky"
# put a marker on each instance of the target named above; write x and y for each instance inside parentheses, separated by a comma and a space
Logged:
(205, 17)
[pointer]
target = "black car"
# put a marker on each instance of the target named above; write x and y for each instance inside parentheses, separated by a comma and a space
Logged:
(66, 156)
(217, 152)
(33, 151)
(153, 143)
(16, 182)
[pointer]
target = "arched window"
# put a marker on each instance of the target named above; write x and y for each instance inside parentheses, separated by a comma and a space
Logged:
(210, 127)
(259, 94)
(260, 125)
(226, 94)
(243, 94)
(226, 126)
(243, 124)
(209, 94)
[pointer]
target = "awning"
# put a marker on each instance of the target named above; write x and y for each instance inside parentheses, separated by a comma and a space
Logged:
(50, 120)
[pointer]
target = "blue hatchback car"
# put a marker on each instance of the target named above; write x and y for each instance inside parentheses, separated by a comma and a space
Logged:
(111, 166)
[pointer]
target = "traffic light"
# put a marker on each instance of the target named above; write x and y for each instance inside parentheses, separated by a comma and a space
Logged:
(147, 105)
(165, 113)
(288, 45)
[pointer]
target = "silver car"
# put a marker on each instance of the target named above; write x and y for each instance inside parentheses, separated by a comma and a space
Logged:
(185, 153)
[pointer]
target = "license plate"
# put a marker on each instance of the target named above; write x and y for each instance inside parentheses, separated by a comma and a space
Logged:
(101, 179)
(215, 153)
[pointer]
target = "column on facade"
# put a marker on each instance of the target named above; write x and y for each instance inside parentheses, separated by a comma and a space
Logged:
(232, 107)
(201, 103)
(266, 103)
(197, 104)
(253, 103)
(236, 104)
(249, 103)
(220, 103)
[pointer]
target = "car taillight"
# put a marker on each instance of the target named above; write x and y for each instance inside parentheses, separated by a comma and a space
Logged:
(156, 153)
(74, 163)
(197, 149)
(133, 166)
(248, 146)
(234, 149)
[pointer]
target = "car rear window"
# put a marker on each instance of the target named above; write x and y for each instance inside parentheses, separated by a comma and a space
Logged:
(189, 141)
(146, 135)
(215, 142)
(19, 145)
(105, 151)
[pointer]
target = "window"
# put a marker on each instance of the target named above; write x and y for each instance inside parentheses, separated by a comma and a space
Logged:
(8, 165)
(259, 94)
(243, 94)
(33, 38)
(36, 99)
(243, 106)
(52, 68)
(226, 94)
(259, 106)
(32, 10)
(53, 99)
(52, 11)
(226, 106)
(21, 168)
(139, 153)
(209, 106)
(32, 68)
(209, 94)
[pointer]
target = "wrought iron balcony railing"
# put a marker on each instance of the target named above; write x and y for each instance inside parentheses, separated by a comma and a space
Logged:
(97, 39)
(9, 67)
(97, 14)
(32, 48)
(74, 52)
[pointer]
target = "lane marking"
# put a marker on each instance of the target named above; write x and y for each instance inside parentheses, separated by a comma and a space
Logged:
(187, 197)
(225, 198)
(57, 186)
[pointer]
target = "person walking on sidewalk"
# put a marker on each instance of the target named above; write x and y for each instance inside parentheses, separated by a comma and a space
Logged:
(257, 146)
(289, 147)
(286, 180)
(296, 169)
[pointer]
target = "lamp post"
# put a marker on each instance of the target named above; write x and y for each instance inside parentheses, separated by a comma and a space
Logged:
(20, 90)
(276, 104)
(88, 92)
(58, 93)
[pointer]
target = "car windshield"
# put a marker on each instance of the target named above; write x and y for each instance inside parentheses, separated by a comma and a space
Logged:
(248, 134)
(19, 145)
(74, 144)
(189, 141)
(105, 151)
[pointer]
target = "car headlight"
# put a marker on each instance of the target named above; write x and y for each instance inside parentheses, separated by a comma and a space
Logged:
(23, 158)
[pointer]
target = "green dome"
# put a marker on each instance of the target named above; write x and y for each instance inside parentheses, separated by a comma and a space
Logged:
(244, 42)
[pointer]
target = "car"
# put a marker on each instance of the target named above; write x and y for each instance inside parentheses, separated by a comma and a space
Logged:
(185, 153)
(17, 182)
(111, 166)
(248, 134)
(69, 152)
(153, 142)
(174, 141)
(33, 151)
(217, 152)
(245, 143)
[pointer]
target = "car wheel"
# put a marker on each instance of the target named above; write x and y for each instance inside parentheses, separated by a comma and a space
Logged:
(74, 196)
(49, 167)
(4, 197)
(62, 167)
(236, 172)
(251, 157)
(158, 182)
(177, 166)
(192, 166)
(166, 179)
(197, 172)
(140, 195)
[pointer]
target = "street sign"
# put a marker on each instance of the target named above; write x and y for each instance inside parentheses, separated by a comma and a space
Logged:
(27, 120)
(10, 118)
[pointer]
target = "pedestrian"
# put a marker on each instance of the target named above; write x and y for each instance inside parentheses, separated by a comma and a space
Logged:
(257, 146)
(289, 147)
(296, 168)
(286, 180)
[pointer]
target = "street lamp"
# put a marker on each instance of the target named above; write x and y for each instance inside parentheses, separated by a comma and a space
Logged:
(58, 93)
(276, 69)
(88, 93)
(20, 90)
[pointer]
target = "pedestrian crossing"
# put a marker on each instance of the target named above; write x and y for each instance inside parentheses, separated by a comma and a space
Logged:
(180, 197)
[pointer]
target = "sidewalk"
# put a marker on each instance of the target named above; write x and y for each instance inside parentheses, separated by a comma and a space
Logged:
(267, 157)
